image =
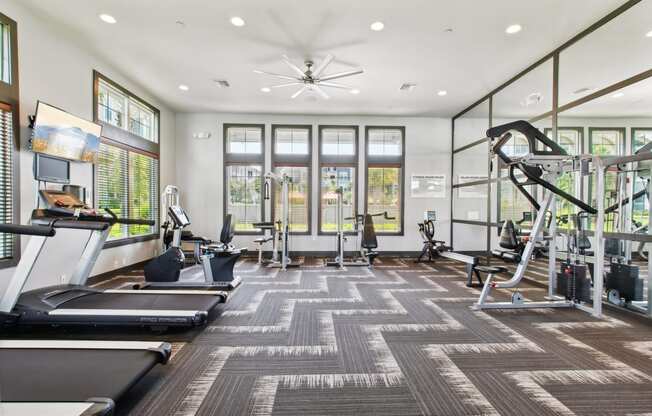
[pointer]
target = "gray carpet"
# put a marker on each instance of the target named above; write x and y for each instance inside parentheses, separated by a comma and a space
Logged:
(396, 340)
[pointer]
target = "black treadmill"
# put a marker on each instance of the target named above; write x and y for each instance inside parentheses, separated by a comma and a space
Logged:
(77, 304)
(67, 377)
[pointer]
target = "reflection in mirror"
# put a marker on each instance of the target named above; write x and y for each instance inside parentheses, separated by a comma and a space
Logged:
(614, 124)
(472, 125)
(525, 98)
(616, 51)
(471, 163)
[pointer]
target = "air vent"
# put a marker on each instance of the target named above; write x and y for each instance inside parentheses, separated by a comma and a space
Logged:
(582, 90)
(408, 86)
(222, 83)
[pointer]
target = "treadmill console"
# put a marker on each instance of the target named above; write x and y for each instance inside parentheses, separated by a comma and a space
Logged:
(178, 216)
(64, 204)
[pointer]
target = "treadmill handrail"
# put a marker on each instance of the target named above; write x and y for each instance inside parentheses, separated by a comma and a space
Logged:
(20, 229)
(129, 221)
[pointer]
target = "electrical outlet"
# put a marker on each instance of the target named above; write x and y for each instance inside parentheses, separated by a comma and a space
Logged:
(64, 279)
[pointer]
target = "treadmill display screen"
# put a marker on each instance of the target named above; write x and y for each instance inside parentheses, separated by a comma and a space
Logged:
(179, 216)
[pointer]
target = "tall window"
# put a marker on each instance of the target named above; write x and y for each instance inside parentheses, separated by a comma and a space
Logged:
(9, 244)
(606, 142)
(570, 139)
(291, 155)
(338, 163)
(244, 161)
(385, 169)
(127, 172)
(640, 137)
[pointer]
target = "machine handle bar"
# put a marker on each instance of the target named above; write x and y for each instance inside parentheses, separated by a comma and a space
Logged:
(19, 229)
(129, 221)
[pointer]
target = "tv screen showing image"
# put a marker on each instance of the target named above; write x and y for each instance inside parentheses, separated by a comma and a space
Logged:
(61, 134)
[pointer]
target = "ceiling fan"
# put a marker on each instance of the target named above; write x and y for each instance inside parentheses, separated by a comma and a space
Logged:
(312, 79)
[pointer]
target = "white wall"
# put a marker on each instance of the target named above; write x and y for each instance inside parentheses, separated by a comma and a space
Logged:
(54, 69)
(200, 173)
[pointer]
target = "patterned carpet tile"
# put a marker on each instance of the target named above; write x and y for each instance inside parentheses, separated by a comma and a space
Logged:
(397, 339)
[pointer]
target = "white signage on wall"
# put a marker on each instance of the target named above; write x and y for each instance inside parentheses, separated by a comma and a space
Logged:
(473, 191)
(428, 186)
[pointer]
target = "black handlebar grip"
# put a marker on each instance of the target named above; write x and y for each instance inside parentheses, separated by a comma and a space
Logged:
(81, 225)
(38, 230)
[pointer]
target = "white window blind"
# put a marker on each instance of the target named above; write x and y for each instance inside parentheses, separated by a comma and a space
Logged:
(127, 183)
(6, 179)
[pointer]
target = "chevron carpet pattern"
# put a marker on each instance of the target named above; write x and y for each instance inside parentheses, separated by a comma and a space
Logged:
(398, 339)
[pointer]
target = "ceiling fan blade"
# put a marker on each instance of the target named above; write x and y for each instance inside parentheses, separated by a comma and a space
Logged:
(293, 66)
(341, 75)
(289, 84)
(301, 91)
(335, 85)
(275, 75)
(320, 92)
(329, 58)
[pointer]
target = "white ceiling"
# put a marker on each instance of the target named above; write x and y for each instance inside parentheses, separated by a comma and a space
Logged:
(154, 51)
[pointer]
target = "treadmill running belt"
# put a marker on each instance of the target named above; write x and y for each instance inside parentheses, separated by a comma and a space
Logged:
(143, 301)
(56, 374)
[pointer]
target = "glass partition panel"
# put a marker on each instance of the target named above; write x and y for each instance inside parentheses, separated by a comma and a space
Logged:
(527, 97)
(472, 125)
(469, 237)
(471, 164)
(618, 50)
(617, 124)
(470, 203)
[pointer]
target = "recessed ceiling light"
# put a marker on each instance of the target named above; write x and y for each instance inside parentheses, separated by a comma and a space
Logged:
(442, 93)
(107, 18)
(355, 91)
(511, 29)
(377, 26)
(649, 34)
(183, 87)
(618, 95)
(237, 21)
(265, 89)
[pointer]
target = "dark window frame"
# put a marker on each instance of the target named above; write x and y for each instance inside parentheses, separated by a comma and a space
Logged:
(243, 159)
(327, 161)
(9, 94)
(632, 134)
(301, 161)
(375, 161)
(622, 150)
(118, 137)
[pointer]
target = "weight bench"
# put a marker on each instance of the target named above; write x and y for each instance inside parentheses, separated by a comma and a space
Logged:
(489, 270)
(261, 241)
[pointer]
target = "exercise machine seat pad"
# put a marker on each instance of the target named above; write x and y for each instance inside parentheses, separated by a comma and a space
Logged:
(508, 238)
(369, 240)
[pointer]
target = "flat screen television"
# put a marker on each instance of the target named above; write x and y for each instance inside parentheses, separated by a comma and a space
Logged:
(61, 134)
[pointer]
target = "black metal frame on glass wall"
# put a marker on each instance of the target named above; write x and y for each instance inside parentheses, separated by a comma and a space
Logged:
(386, 162)
(124, 139)
(9, 94)
(293, 161)
(337, 161)
(231, 159)
(552, 114)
